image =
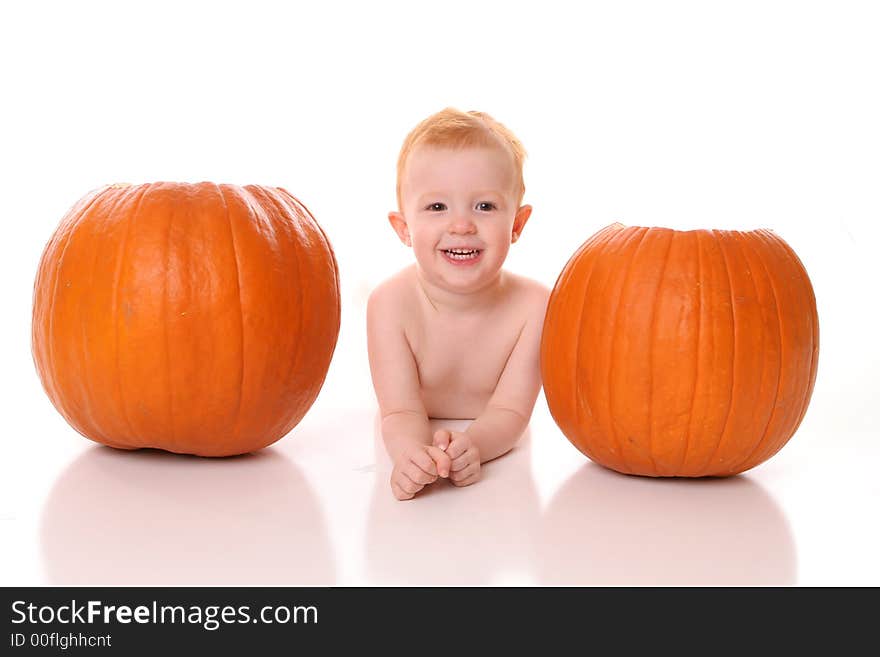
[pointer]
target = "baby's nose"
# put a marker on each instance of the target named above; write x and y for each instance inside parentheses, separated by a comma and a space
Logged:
(462, 226)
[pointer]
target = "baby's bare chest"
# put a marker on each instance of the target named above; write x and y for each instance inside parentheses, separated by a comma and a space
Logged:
(460, 362)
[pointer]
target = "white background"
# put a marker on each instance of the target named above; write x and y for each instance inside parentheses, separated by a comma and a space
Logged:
(680, 114)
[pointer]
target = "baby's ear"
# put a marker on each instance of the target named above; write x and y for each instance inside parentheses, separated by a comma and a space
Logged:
(398, 223)
(519, 221)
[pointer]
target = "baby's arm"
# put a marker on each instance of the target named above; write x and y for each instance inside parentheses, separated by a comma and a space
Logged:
(395, 376)
(507, 414)
(405, 428)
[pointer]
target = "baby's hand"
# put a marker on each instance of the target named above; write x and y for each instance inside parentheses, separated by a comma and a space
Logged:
(416, 468)
(465, 457)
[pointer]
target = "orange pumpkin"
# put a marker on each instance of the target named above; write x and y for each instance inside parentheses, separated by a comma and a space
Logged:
(194, 318)
(680, 353)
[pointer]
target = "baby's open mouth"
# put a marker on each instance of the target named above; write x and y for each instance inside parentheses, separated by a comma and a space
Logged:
(462, 254)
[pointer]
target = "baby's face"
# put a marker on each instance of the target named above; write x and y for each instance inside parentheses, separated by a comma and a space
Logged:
(459, 214)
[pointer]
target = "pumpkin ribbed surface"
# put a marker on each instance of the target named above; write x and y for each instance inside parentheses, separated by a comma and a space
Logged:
(194, 318)
(680, 353)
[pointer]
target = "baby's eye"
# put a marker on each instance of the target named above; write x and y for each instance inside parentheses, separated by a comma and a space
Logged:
(436, 207)
(486, 206)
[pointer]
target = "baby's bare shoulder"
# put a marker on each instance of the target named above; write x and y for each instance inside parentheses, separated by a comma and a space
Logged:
(388, 299)
(529, 295)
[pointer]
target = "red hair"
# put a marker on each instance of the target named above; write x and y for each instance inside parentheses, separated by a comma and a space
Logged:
(452, 128)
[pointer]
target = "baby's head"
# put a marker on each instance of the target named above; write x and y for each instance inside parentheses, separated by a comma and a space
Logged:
(459, 189)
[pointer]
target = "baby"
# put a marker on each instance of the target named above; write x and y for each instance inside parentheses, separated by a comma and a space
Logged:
(454, 335)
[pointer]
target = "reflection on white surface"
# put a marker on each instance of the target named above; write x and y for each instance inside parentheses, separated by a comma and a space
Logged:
(149, 517)
(604, 528)
(474, 535)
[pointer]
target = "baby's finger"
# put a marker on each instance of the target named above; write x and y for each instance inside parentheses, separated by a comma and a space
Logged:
(408, 484)
(467, 476)
(416, 474)
(425, 462)
(458, 446)
(467, 482)
(399, 493)
(462, 461)
(441, 459)
(464, 473)
(442, 437)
